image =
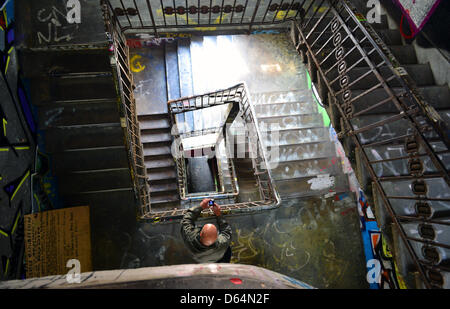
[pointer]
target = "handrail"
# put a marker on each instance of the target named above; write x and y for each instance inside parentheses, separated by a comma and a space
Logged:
(345, 35)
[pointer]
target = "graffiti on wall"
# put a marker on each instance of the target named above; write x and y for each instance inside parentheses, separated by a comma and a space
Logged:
(382, 271)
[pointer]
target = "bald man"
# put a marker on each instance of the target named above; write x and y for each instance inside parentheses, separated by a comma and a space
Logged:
(206, 243)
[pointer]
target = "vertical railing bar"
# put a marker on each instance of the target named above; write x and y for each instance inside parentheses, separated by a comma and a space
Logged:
(232, 11)
(210, 9)
(221, 12)
(175, 11)
(187, 13)
(243, 12)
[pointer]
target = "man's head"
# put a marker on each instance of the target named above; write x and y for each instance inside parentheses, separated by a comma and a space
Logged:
(208, 234)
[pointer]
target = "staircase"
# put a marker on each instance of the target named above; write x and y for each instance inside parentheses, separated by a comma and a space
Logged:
(161, 171)
(307, 163)
(79, 127)
(76, 99)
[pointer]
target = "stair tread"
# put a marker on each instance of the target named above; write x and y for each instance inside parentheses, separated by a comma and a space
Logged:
(68, 114)
(152, 124)
(164, 199)
(163, 187)
(156, 151)
(95, 180)
(150, 137)
(89, 159)
(90, 136)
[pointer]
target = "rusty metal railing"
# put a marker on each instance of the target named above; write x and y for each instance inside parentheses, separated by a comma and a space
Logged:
(125, 87)
(202, 15)
(237, 95)
(335, 44)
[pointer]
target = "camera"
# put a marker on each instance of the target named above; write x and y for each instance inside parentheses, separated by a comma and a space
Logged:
(211, 202)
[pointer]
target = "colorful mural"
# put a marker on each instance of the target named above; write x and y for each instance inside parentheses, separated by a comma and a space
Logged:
(382, 272)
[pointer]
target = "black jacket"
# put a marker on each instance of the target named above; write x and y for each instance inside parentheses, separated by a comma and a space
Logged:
(191, 237)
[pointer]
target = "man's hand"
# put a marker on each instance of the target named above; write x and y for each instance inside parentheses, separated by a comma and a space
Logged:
(216, 210)
(205, 203)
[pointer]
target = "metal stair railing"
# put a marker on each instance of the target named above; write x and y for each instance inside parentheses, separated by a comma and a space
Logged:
(167, 15)
(237, 94)
(337, 26)
(125, 86)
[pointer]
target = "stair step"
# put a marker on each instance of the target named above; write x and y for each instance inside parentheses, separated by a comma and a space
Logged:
(55, 89)
(158, 176)
(156, 150)
(300, 152)
(155, 200)
(78, 114)
(306, 168)
(89, 159)
(281, 97)
(385, 132)
(291, 122)
(98, 180)
(285, 109)
(64, 138)
(150, 124)
(111, 208)
(159, 163)
(155, 137)
(57, 103)
(161, 188)
(39, 63)
(437, 96)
